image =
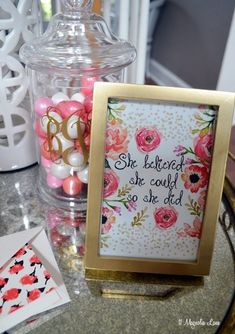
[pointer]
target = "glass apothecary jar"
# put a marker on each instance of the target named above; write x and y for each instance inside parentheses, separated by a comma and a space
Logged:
(76, 50)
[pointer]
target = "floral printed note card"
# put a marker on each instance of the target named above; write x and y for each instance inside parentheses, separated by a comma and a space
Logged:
(22, 280)
(157, 166)
(30, 280)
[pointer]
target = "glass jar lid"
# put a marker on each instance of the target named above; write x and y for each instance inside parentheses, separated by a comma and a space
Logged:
(77, 42)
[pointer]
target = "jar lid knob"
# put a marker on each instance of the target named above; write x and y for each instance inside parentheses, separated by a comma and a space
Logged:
(77, 5)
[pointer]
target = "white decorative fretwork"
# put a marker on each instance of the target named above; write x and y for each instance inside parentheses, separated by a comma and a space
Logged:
(19, 22)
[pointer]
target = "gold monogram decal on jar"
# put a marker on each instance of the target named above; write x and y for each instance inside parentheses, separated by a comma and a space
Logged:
(65, 136)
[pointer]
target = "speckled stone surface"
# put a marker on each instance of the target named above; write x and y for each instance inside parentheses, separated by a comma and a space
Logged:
(21, 209)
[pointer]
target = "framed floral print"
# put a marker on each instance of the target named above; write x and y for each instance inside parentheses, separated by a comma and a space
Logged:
(157, 164)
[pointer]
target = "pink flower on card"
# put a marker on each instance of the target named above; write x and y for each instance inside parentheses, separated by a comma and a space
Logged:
(3, 282)
(29, 279)
(193, 231)
(116, 141)
(131, 206)
(20, 252)
(17, 267)
(15, 308)
(111, 181)
(11, 294)
(203, 147)
(117, 209)
(202, 199)
(165, 217)
(179, 150)
(105, 228)
(34, 294)
(195, 177)
(107, 220)
(189, 161)
(147, 139)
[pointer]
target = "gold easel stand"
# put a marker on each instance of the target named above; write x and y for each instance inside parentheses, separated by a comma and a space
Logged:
(229, 187)
(122, 285)
(227, 220)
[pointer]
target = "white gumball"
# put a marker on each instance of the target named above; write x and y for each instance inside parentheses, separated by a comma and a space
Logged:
(60, 170)
(83, 175)
(60, 143)
(78, 97)
(58, 97)
(54, 119)
(72, 126)
(76, 160)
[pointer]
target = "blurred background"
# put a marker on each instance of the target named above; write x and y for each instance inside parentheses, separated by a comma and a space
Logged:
(184, 43)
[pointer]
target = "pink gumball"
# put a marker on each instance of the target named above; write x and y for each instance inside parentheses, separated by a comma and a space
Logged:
(41, 140)
(38, 129)
(72, 185)
(87, 84)
(46, 163)
(41, 105)
(68, 108)
(53, 182)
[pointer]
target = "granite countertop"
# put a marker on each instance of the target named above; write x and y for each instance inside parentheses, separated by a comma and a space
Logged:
(20, 208)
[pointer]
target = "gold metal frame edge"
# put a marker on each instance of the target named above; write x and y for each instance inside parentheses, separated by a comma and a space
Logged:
(225, 102)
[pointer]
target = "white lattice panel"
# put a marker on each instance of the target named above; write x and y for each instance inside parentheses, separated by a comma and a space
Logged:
(18, 24)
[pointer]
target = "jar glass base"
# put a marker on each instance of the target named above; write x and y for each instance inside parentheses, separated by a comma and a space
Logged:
(57, 197)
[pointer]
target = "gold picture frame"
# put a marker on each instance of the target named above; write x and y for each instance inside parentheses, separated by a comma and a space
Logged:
(160, 99)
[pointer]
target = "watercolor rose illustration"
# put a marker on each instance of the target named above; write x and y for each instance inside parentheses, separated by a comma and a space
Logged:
(193, 231)
(116, 141)
(111, 181)
(203, 147)
(196, 173)
(201, 152)
(147, 139)
(202, 199)
(107, 220)
(165, 217)
(195, 177)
